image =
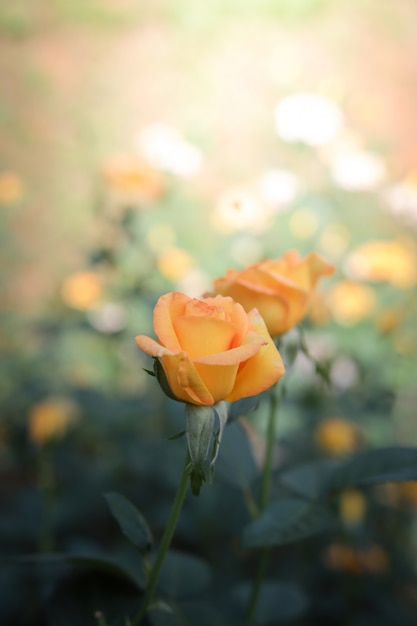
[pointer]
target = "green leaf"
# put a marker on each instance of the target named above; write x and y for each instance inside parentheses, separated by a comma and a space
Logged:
(183, 575)
(236, 464)
(163, 614)
(285, 520)
(115, 564)
(375, 466)
(131, 522)
(309, 480)
(277, 601)
(77, 597)
(243, 407)
(176, 436)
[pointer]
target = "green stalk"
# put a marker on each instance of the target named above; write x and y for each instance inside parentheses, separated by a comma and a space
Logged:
(264, 499)
(165, 543)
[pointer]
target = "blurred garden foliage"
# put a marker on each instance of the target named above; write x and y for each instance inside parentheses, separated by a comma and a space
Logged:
(148, 147)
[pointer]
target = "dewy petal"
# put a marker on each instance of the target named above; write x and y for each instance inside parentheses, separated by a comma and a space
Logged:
(150, 346)
(184, 379)
(261, 371)
(201, 336)
(166, 310)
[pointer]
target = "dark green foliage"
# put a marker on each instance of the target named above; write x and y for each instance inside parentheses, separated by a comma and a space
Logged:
(131, 521)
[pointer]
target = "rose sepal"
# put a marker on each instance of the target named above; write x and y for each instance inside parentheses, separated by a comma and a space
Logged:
(199, 424)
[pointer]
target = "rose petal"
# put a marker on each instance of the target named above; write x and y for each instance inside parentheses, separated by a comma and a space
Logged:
(150, 346)
(184, 379)
(261, 371)
(234, 356)
(220, 379)
(166, 310)
(201, 336)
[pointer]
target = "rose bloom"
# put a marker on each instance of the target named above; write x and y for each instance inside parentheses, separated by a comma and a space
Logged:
(280, 289)
(210, 349)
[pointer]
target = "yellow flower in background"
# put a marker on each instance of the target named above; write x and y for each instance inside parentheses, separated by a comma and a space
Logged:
(389, 320)
(304, 223)
(131, 175)
(391, 261)
(349, 302)
(11, 188)
(352, 507)
(372, 559)
(337, 436)
(408, 492)
(280, 289)
(50, 419)
(82, 290)
(174, 263)
(211, 350)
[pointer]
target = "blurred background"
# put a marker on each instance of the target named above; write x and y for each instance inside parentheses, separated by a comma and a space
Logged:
(147, 146)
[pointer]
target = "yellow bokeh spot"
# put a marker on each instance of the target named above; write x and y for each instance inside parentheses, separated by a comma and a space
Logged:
(160, 236)
(352, 507)
(408, 491)
(349, 302)
(174, 263)
(82, 290)
(128, 174)
(389, 261)
(389, 320)
(304, 223)
(337, 436)
(50, 420)
(334, 240)
(11, 188)
(372, 559)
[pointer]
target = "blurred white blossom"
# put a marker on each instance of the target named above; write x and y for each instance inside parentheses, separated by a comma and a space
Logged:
(108, 318)
(309, 118)
(165, 149)
(357, 170)
(278, 188)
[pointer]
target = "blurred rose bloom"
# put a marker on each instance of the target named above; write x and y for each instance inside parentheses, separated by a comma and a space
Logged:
(280, 289)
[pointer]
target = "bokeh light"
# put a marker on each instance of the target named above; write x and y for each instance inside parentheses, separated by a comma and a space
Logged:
(310, 118)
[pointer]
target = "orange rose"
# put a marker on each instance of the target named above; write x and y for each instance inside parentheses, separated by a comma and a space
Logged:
(279, 289)
(211, 349)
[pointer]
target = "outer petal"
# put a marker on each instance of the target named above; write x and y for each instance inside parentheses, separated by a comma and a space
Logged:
(184, 379)
(166, 310)
(220, 379)
(274, 308)
(150, 346)
(261, 371)
(307, 272)
(236, 355)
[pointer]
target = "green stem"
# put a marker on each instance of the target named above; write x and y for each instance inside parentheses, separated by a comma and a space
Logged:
(165, 543)
(270, 445)
(263, 502)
